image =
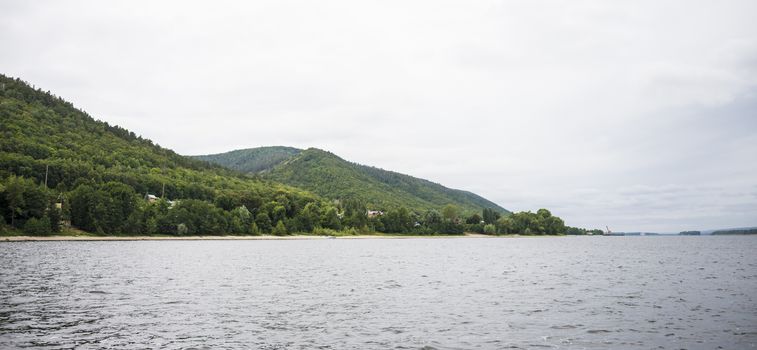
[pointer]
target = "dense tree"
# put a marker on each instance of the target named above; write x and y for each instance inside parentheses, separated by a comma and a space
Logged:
(200, 217)
(474, 219)
(540, 223)
(120, 203)
(330, 219)
(354, 213)
(263, 222)
(490, 216)
(309, 218)
(450, 212)
(89, 208)
(37, 226)
(280, 229)
(54, 217)
(397, 221)
(505, 225)
(24, 200)
(240, 220)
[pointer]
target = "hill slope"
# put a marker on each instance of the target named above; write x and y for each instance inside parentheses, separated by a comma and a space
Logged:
(332, 177)
(39, 130)
(110, 169)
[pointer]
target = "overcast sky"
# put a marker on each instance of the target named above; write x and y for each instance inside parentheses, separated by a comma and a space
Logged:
(639, 115)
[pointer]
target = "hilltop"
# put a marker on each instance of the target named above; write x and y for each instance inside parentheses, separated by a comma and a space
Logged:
(252, 160)
(332, 177)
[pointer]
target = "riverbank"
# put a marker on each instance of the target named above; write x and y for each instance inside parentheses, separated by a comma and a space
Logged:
(227, 238)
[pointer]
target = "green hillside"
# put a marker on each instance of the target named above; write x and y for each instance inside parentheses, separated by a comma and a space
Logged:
(39, 130)
(332, 177)
(44, 137)
(253, 160)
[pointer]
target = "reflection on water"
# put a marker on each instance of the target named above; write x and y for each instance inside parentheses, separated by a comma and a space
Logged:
(563, 292)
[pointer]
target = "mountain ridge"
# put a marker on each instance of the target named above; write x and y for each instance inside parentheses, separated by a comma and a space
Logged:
(328, 175)
(253, 160)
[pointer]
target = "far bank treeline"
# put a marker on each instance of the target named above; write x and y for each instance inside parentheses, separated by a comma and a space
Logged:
(58, 164)
(116, 208)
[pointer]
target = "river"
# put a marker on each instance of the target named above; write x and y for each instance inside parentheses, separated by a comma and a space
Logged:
(456, 293)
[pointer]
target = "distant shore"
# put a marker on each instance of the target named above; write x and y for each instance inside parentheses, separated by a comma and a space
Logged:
(228, 238)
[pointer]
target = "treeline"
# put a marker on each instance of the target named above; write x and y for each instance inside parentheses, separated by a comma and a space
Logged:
(577, 231)
(114, 208)
(28, 206)
(739, 231)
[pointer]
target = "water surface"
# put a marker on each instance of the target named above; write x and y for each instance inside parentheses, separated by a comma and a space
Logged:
(461, 293)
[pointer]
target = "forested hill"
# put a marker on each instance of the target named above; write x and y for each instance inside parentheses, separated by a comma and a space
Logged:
(40, 130)
(332, 177)
(252, 160)
(110, 170)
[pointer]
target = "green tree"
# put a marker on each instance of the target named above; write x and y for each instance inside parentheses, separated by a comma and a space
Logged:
(25, 199)
(263, 222)
(227, 202)
(330, 219)
(355, 213)
(37, 227)
(450, 212)
(200, 217)
(14, 197)
(432, 219)
(54, 217)
(88, 208)
(120, 203)
(474, 219)
(240, 220)
(278, 213)
(490, 216)
(555, 226)
(397, 221)
(505, 225)
(310, 217)
(280, 229)
(544, 213)
(254, 230)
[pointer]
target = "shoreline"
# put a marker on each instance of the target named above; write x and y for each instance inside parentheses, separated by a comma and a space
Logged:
(228, 238)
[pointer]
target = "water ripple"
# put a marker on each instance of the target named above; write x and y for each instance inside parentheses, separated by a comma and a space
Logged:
(562, 293)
